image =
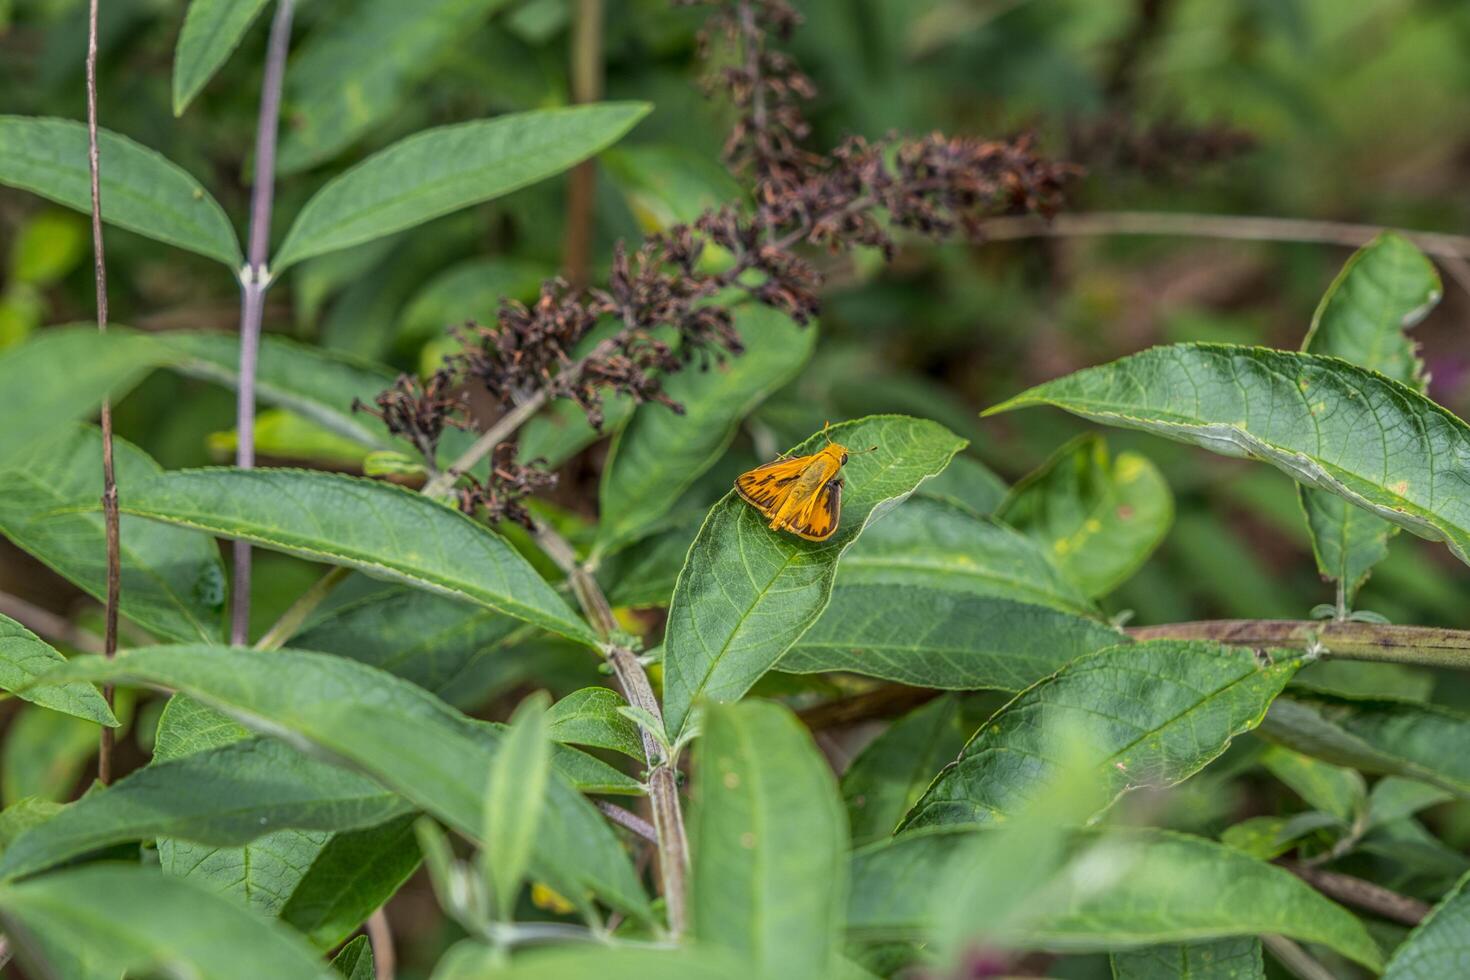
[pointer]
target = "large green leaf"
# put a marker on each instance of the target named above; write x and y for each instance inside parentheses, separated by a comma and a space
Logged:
(138, 921)
(1326, 423)
(656, 457)
(1221, 959)
(1420, 741)
(1440, 946)
(1135, 888)
(747, 593)
(225, 796)
(769, 843)
(444, 169)
(402, 736)
(939, 545)
(375, 527)
(514, 799)
(316, 384)
(353, 875)
(930, 637)
(890, 775)
(1385, 288)
(173, 583)
(1147, 714)
(212, 30)
(141, 191)
(352, 74)
(63, 375)
(1098, 518)
(25, 657)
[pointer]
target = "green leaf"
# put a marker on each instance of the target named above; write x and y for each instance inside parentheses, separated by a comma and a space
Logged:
(173, 583)
(591, 717)
(1331, 789)
(1148, 714)
(1438, 947)
(448, 168)
(353, 875)
(62, 375)
(889, 776)
(375, 527)
(469, 290)
(1136, 888)
(659, 454)
(970, 484)
(44, 753)
(24, 814)
(352, 74)
(1324, 422)
(24, 657)
(1098, 518)
(644, 574)
(141, 191)
(139, 921)
(513, 802)
(212, 31)
(316, 384)
(938, 545)
(1222, 959)
(668, 184)
(1419, 741)
(935, 638)
(769, 843)
(355, 961)
(600, 962)
(1385, 288)
(222, 797)
(409, 741)
(747, 593)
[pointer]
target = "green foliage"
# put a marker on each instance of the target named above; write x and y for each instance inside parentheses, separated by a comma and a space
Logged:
(1223, 959)
(24, 658)
(514, 800)
(212, 30)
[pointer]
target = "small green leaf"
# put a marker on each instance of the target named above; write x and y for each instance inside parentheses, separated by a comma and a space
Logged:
(1324, 422)
(659, 454)
(591, 717)
(1147, 714)
(1438, 947)
(354, 874)
(139, 921)
(212, 30)
(513, 802)
(1331, 789)
(1385, 288)
(448, 168)
(141, 191)
(1097, 518)
(769, 843)
(24, 657)
(376, 527)
(355, 961)
(748, 593)
(1222, 959)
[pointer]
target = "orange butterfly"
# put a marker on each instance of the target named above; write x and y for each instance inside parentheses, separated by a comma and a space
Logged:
(802, 495)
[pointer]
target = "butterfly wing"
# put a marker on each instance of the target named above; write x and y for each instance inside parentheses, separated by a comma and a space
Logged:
(820, 520)
(766, 487)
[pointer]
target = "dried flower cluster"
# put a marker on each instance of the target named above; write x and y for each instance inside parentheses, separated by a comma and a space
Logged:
(419, 411)
(1164, 148)
(660, 307)
(502, 496)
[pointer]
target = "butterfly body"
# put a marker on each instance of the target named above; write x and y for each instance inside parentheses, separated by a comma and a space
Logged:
(802, 494)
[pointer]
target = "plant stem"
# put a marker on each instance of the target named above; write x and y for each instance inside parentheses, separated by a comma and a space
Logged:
(1365, 895)
(628, 820)
(109, 476)
(503, 429)
(1429, 646)
(285, 627)
(1297, 960)
(254, 280)
(587, 70)
(380, 937)
(49, 626)
(663, 781)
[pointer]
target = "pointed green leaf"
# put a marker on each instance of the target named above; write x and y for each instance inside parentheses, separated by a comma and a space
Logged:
(659, 454)
(769, 843)
(212, 30)
(1149, 714)
(24, 657)
(1222, 959)
(141, 191)
(1097, 518)
(513, 802)
(747, 593)
(1385, 288)
(355, 961)
(448, 168)
(1138, 888)
(173, 583)
(1440, 946)
(140, 921)
(411, 742)
(375, 527)
(1332, 789)
(355, 873)
(591, 717)
(1324, 422)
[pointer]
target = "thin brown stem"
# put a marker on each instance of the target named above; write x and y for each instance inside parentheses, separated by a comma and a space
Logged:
(285, 627)
(587, 72)
(109, 476)
(885, 701)
(1343, 640)
(1358, 893)
(1297, 960)
(628, 820)
(254, 280)
(380, 937)
(48, 625)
